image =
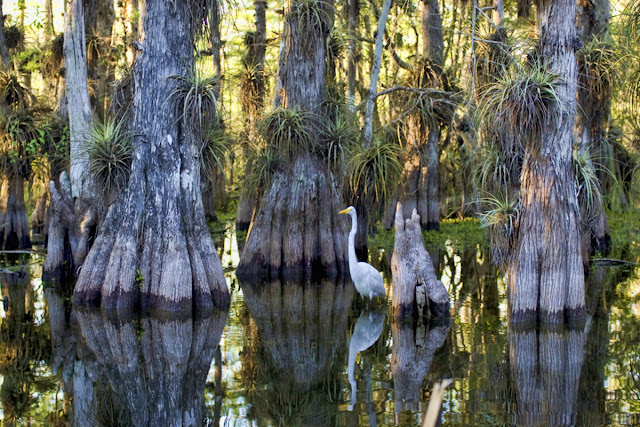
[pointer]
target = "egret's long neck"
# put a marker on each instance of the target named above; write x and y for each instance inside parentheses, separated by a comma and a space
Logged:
(353, 260)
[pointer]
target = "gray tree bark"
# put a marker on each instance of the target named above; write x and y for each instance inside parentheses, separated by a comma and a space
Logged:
(154, 248)
(416, 288)
(296, 229)
(546, 278)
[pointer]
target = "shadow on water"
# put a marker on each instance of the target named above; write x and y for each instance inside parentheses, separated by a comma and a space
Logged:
(121, 369)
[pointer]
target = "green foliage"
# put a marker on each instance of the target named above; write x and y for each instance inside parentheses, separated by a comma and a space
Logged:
(597, 66)
(493, 55)
(265, 162)
(215, 152)
(500, 217)
(522, 100)
(52, 57)
(110, 152)
(287, 130)
(338, 137)
(13, 36)
(12, 92)
(373, 170)
(587, 185)
(195, 100)
(21, 141)
(459, 233)
(501, 212)
(252, 88)
(490, 170)
(311, 15)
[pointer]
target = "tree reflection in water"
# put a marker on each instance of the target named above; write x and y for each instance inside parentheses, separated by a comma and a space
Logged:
(143, 371)
(298, 359)
(545, 368)
(24, 345)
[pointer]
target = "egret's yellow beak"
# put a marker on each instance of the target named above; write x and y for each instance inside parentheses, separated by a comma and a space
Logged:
(344, 211)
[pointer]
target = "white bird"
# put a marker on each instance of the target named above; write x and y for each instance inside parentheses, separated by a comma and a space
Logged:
(365, 277)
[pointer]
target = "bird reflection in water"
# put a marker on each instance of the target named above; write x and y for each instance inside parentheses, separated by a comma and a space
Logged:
(365, 333)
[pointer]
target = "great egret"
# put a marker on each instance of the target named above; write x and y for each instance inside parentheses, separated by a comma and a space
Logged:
(367, 279)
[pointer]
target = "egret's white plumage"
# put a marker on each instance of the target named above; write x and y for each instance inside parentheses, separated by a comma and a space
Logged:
(365, 277)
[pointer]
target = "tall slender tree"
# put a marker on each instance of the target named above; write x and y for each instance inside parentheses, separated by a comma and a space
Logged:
(154, 248)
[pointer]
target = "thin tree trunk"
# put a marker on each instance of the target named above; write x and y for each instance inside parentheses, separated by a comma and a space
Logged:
(74, 208)
(367, 131)
(154, 248)
(253, 109)
(296, 228)
(592, 20)
(546, 277)
(4, 51)
(353, 12)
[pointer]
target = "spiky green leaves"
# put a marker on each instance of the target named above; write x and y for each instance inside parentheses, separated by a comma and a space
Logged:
(522, 100)
(215, 152)
(195, 100)
(110, 152)
(12, 92)
(597, 70)
(310, 17)
(288, 131)
(501, 218)
(21, 141)
(374, 170)
(587, 185)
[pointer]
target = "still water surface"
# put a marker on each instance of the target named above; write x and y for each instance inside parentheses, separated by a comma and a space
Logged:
(292, 354)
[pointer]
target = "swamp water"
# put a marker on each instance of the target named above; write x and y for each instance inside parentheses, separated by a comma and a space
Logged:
(312, 355)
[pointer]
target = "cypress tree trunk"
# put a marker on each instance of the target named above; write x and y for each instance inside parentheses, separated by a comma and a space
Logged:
(154, 248)
(296, 228)
(14, 227)
(545, 273)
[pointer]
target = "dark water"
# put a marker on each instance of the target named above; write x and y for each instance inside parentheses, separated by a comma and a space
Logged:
(292, 354)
